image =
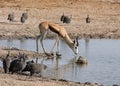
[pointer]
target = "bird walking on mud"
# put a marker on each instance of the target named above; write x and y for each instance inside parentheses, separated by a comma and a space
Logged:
(6, 63)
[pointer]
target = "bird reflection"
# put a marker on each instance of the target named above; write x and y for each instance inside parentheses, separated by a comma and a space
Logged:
(87, 40)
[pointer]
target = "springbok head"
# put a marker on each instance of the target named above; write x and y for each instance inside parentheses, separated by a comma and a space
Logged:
(75, 45)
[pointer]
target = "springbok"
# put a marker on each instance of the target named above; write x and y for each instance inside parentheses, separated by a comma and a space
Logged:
(61, 32)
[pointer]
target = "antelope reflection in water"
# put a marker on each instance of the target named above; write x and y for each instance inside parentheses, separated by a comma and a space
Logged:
(69, 69)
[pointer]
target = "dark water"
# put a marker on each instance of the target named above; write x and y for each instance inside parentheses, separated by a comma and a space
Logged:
(103, 57)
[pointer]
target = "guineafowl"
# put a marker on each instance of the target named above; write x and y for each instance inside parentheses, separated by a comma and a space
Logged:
(6, 63)
(18, 65)
(34, 68)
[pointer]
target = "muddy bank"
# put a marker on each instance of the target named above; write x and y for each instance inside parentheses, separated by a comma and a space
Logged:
(23, 80)
(14, 52)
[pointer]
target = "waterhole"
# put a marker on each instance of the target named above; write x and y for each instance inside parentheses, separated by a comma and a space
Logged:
(103, 57)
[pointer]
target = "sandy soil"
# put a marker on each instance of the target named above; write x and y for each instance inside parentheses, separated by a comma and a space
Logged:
(105, 17)
(25, 80)
(105, 23)
(13, 80)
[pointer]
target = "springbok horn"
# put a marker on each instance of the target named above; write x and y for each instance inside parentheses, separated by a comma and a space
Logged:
(77, 41)
(74, 41)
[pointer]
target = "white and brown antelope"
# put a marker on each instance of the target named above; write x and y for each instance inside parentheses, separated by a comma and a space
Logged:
(44, 28)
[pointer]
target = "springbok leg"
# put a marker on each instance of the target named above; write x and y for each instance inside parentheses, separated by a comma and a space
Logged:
(57, 39)
(41, 41)
(37, 43)
(58, 48)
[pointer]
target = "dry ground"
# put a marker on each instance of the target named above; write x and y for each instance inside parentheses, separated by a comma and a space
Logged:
(105, 23)
(13, 80)
(25, 80)
(104, 14)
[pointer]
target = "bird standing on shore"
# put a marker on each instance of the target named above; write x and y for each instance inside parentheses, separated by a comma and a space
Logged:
(24, 17)
(87, 19)
(11, 17)
(65, 19)
(18, 65)
(6, 63)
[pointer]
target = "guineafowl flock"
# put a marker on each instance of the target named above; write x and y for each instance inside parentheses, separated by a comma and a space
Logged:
(23, 17)
(20, 65)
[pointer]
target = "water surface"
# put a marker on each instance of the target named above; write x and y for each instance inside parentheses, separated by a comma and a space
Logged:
(103, 57)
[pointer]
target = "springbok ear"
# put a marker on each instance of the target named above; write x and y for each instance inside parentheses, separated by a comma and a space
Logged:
(74, 41)
(77, 41)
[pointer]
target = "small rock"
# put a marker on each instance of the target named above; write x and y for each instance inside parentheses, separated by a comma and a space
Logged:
(58, 54)
(81, 60)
